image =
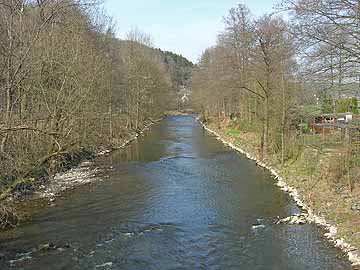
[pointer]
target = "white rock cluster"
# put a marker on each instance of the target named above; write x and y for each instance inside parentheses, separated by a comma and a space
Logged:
(62, 181)
(298, 219)
(309, 217)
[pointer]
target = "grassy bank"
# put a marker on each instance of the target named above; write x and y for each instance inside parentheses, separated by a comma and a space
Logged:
(314, 172)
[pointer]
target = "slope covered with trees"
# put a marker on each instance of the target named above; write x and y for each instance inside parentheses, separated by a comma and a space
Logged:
(180, 69)
(68, 86)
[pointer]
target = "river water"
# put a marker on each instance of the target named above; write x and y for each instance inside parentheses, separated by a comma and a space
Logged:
(175, 199)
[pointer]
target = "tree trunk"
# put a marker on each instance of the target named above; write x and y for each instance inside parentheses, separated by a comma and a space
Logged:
(110, 121)
(9, 79)
(283, 122)
(265, 131)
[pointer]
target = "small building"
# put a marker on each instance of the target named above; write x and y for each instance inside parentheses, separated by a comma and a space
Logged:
(328, 123)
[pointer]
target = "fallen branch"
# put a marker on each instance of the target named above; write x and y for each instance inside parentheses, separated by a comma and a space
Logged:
(5, 130)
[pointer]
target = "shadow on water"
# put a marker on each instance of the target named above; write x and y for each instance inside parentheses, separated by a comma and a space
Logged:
(175, 199)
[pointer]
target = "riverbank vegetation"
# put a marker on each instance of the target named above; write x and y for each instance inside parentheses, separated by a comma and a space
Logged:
(69, 87)
(268, 80)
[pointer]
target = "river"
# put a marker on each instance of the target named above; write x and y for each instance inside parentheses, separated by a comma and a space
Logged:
(175, 199)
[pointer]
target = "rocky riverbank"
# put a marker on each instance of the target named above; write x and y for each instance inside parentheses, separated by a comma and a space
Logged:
(80, 172)
(310, 215)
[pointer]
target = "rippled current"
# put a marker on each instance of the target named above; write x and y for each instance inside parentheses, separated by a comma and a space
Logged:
(175, 199)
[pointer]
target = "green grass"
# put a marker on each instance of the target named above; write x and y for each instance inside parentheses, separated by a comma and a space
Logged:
(233, 132)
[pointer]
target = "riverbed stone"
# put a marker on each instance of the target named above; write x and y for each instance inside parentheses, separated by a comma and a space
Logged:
(46, 247)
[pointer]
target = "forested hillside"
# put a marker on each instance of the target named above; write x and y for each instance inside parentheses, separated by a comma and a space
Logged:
(68, 86)
(180, 69)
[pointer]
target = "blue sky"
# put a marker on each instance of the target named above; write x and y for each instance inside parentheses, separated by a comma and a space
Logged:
(186, 27)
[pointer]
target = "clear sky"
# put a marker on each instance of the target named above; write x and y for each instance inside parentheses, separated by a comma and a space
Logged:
(186, 27)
